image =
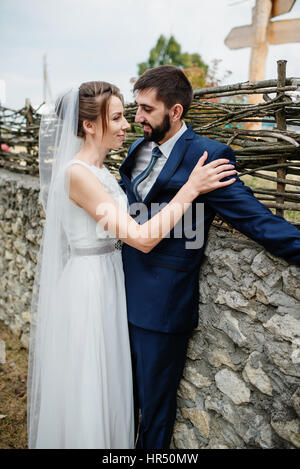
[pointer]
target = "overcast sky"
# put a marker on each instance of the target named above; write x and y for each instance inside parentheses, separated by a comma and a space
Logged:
(106, 39)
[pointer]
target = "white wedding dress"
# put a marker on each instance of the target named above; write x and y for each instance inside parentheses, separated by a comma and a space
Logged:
(86, 384)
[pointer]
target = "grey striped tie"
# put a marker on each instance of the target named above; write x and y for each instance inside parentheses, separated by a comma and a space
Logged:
(156, 153)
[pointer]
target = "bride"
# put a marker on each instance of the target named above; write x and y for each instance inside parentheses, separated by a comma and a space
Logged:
(79, 380)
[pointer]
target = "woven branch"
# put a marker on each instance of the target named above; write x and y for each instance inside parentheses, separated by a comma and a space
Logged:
(260, 153)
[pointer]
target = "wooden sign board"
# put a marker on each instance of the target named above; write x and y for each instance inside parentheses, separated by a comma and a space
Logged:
(284, 31)
(279, 32)
(281, 6)
(240, 37)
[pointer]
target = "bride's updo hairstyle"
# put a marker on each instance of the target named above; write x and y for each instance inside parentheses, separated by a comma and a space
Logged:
(94, 99)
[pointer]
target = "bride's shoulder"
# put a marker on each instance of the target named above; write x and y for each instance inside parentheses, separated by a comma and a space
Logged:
(75, 169)
(78, 167)
(81, 175)
(77, 164)
(79, 170)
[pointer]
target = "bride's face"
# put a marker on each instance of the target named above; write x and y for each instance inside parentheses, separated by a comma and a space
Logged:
(116, 125)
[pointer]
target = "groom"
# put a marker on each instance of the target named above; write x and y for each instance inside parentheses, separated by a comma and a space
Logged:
(162, 286)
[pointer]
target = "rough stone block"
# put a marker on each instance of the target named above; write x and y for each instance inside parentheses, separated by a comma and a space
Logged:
(2, 352)
(230, 326)
(286, 327)
(236, 301)
(20, 247)
(262, 266)
(291, 281)
(184, 437)
(256, 375)
(25, 340)
(295, 401)
(230, 384)
(199, 418)
(219, 357)
(187, 390)
(289, 431)
(196, 378)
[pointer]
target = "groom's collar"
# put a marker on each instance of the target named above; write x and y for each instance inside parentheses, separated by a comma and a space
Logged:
(186, 133)
(167, 146)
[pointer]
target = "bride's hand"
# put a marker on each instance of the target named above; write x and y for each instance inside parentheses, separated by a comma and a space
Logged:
(207, 178)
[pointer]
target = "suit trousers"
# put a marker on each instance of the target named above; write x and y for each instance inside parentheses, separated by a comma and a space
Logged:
(157, 360)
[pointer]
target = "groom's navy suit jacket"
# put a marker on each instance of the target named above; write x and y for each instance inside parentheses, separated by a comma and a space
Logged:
(162, 286)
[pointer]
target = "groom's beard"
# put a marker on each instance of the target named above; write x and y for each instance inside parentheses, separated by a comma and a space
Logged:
(159, 132)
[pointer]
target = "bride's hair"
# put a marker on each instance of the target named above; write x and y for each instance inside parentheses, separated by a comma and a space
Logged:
(94, 99)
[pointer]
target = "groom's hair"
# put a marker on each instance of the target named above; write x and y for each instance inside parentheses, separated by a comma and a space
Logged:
(170, 83)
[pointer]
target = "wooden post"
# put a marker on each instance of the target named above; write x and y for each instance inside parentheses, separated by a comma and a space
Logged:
(281, 125)
(44, 78)
(259, 52)
(29, 120)
(46, 82)
(260, 34)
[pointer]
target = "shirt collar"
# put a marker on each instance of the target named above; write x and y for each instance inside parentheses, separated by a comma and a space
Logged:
(167, 146)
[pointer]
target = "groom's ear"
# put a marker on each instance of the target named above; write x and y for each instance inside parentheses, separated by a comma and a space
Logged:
(176, 112)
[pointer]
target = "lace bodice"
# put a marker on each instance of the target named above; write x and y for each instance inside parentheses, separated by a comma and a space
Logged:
(81, 229)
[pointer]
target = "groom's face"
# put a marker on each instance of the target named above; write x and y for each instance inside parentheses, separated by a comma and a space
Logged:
(153, 116)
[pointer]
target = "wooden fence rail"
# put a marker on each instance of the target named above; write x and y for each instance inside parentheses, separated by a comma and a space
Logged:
(268, 159)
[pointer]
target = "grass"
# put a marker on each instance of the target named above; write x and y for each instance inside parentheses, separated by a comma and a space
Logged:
(13, 374)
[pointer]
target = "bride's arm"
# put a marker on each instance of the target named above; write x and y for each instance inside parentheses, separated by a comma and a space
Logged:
(87, 192)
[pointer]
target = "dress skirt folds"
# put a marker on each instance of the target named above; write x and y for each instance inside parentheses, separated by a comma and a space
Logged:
(86, 399)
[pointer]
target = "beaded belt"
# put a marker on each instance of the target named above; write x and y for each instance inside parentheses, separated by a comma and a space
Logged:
(94, 251)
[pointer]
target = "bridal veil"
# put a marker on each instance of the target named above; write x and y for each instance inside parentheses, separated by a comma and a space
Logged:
(58, 143)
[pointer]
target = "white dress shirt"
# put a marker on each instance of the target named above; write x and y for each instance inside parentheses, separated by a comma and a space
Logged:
(143, 158)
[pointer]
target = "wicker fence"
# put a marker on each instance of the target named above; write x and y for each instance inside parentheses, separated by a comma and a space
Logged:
(267, 159)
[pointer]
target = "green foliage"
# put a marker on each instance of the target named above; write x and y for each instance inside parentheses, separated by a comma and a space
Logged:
(168, 52)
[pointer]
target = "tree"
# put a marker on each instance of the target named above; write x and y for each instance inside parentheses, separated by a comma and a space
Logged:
(168, 52)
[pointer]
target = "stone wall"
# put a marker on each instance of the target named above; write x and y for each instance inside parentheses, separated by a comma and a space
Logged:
(241, 381)
(21, 224)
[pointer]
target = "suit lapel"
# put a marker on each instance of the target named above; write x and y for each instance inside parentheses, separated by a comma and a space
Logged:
(172, 163)
(125, 169)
